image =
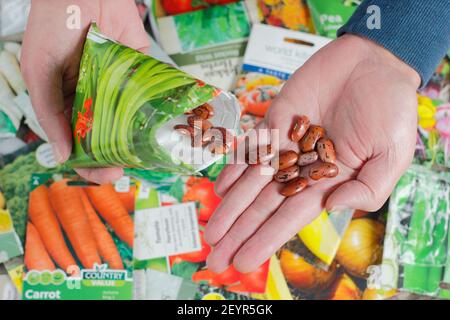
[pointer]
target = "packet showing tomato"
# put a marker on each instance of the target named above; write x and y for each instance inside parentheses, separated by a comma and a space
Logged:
(170, 217)
(131, 110)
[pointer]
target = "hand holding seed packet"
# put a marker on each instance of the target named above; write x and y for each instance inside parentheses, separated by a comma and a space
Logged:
(50, 71)
(131, 110)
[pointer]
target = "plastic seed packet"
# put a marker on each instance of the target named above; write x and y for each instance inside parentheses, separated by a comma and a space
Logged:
(208, 43)
(416, 257)
(7, 289)
(323, 236)
(127, 105)
(329, 15)
(169, 235)
(10, 245)
(433, 134)
(151, 284)
(82, 251)
(289, 14)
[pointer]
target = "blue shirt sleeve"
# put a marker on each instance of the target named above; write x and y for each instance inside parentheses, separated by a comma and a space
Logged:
(416, 31)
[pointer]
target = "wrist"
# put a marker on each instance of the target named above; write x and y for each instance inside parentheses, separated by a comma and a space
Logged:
(384, 57)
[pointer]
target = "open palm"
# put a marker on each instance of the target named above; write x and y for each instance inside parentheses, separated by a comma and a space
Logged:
(365, 99)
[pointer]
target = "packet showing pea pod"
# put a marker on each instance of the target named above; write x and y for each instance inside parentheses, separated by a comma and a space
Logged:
(416, 257)
(127, 105)
(329, 15)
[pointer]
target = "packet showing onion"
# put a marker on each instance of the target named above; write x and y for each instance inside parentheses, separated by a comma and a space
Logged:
(128, 107)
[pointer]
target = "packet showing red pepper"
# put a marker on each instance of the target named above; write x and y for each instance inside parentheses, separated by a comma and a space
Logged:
(128, 108)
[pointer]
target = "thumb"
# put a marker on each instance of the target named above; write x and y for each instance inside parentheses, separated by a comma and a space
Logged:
(134, 35)
(44, 84)
(373, 185)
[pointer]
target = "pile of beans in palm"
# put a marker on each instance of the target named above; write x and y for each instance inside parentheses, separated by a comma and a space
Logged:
(202, 133)
(316, 151)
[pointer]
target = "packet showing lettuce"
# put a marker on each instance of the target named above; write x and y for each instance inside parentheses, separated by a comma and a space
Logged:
(127, 105)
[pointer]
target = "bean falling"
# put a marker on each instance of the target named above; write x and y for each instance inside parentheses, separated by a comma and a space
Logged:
(202, 132)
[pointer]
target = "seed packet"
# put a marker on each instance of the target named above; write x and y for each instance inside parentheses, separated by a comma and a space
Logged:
(438, 87)
(15, 176)
(433, 133)
(81, 251)
(329, 15)
(7, 289)
(14, 268)
(290, 14)
(13, 18)
(10, 245)
(127, 105)
(209, 43)
(272, 55)
(416, 257)
(7, 128)
(164, 204)
(151, 284)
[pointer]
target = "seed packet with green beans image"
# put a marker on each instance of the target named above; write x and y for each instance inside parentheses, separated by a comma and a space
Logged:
(127, 105)
(416, 257)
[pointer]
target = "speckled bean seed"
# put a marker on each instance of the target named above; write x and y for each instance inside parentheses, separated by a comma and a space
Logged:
(309, 140)
(184, 129)
(307, 158)
(205, 111)
(199, 123)
(323, 170)
(287, 159)
(325, 149)
(301, 126)
(287, 174)
(294, 186)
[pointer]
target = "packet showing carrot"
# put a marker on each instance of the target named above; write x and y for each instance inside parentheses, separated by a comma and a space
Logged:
(132, 110)
(416, 255)
(77, 251)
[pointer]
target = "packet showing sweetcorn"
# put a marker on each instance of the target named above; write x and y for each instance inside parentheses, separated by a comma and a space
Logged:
(127, 106)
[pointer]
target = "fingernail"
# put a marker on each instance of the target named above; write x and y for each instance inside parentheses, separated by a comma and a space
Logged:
(57, 153)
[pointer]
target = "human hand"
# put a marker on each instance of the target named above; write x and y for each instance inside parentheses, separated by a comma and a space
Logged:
(51, 58)
(365, 98)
